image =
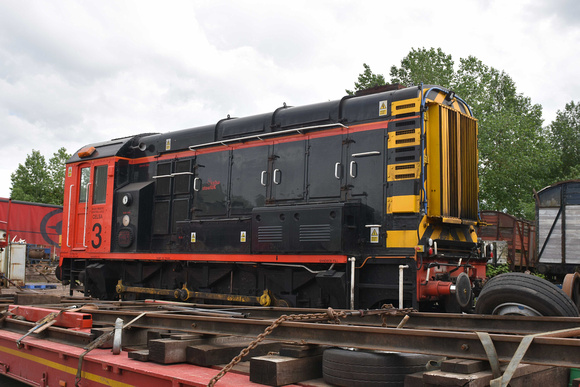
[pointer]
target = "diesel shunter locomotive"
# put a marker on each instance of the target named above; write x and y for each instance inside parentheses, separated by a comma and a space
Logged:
(351, 203)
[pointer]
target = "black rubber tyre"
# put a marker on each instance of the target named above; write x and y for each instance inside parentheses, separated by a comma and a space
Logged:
(343, 367)
(523, 294)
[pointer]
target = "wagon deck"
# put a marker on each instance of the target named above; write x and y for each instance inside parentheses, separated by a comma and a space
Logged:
(165, 340)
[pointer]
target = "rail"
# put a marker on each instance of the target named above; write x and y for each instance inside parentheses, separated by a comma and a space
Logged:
(451, 335)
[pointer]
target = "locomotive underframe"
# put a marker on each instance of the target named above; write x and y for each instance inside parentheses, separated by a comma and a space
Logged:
(376, 281)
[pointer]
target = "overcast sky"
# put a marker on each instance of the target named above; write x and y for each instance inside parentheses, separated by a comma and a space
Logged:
(77, 72)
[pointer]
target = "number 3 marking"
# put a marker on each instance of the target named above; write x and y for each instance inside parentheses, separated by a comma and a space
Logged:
(98, 235)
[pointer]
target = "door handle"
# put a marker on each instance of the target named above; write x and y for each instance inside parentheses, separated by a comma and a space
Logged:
(337, 170)
(196, 186)
(263, 178)
(276, 176)
(352, 169)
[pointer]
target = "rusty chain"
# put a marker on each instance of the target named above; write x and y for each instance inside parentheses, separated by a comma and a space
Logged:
(330, 315)
(390, 310)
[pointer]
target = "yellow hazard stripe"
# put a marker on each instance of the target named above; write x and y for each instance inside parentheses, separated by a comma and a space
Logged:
(63, 368)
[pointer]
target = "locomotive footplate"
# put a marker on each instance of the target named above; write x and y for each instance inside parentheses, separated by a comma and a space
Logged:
(184, 294)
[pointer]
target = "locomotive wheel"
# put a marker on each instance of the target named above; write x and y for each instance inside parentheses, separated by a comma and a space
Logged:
(571, 286)
(525, 295)
(343, 367)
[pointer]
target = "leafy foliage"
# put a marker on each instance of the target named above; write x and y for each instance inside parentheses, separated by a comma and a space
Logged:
(39, 182)
(493, 270)
(367, 80)
(421, 65)
(565, 136)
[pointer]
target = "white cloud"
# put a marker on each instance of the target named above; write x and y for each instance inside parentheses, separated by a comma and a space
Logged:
(73, 73)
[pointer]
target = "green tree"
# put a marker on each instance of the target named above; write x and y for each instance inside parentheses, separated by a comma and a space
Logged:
(56, 172)
(367, 80)
(39, 182)
(514, 152)
(565, 137)
(431, 66)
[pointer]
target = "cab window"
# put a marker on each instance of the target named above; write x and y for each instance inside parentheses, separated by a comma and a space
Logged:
(100, 188)
(84, 184)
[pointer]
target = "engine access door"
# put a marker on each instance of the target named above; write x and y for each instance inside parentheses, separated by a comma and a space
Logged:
(365, 170)
(287, 163)
(249, 179)
(325, 168)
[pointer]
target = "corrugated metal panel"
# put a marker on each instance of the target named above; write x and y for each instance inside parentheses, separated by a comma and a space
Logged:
(573, 234)
(553, 249)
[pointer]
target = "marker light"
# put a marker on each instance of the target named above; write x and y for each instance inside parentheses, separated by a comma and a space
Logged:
(86, 152)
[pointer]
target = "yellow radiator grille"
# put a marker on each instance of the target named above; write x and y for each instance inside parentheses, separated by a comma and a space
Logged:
(452, 178)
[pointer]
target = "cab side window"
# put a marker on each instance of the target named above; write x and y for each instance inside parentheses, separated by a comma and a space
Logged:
(84, 184)
(100, 188)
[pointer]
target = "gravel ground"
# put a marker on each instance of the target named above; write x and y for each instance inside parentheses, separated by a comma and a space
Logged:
(38, 275)
(60, 290)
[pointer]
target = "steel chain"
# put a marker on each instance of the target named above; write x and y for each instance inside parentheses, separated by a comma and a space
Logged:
(390, 310)
(330, 315)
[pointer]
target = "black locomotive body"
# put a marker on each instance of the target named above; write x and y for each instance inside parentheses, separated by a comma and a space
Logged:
(312, 206)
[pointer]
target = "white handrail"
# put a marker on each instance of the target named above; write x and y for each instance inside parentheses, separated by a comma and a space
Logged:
(86, 210)
(370, 153)
(259, 136)
(68, 221)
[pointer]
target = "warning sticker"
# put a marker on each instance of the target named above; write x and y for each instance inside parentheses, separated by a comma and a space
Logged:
(193, 237)
(168, 144)
(69, 171)
(374, 235)
(242, 236)
(383, 108)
